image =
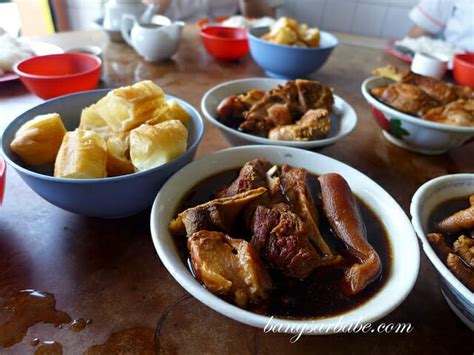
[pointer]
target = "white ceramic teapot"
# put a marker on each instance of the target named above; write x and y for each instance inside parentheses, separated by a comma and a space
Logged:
(152, 40)
(114, 10)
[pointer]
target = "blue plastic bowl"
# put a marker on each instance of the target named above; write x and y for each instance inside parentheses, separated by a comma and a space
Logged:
(288, 62)
(111, 197)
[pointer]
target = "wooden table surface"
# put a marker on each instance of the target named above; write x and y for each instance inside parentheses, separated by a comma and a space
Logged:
(108, 270)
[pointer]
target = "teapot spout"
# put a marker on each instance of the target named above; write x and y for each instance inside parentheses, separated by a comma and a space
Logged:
(150, 11)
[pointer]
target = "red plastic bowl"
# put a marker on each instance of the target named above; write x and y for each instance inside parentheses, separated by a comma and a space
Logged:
(225, 43)
(463, 69)
(58, 74)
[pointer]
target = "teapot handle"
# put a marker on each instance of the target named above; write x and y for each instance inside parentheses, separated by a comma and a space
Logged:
(126, 26)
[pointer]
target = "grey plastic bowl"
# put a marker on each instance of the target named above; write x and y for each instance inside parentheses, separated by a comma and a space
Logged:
(111, 197)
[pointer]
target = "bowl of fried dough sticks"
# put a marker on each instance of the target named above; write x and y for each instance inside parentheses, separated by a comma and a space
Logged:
(420, 113)
(103, 153)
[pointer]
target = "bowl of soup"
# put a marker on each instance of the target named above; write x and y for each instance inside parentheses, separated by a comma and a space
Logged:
(203, 219)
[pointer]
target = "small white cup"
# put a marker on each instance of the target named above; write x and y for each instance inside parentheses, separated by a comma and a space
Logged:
(427, 65)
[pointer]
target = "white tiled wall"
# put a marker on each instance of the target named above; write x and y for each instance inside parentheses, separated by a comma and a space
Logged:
(83, 13)
(377, 18)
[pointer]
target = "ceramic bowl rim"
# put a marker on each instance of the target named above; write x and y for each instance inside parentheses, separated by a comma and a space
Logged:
(404, 116)
(415, 208)
(206, 35)
(184, 278)
(266, 141)
(461, 58)
(199, 135)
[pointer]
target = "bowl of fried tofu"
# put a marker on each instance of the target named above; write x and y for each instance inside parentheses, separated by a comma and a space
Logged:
(419, 113)
(442, 213)
(103, 153)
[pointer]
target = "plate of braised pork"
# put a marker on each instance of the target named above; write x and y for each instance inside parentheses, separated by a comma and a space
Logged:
(266, 231)
(420, 113)
(299, 113)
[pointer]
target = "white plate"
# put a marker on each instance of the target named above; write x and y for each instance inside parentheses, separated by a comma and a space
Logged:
(343, 118)
(38, 48)
(402, 238)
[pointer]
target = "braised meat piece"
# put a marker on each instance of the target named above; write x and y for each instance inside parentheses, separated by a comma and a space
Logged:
(230, 111)
(281, 238)
(285, 104)
(313, 95)
(408, 98)
(229, 267)
(464, 273)
(295, 186)
(457, 113)
(251, 176)
(437, 89)
(464, 247)
(461, 220)
(341, 210)
(216, 215)
(440, 245)
(315, 124)
(279, 106)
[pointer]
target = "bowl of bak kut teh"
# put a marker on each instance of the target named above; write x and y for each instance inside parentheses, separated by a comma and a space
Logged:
(296, 113)
(420, 113)
(287, 236)
(103, 153)
(442, 213)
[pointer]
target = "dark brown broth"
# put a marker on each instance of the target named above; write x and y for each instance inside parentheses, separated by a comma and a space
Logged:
(319, 295)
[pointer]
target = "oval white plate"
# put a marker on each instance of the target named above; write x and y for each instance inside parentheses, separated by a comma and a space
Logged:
(343, 118)
(404, 245)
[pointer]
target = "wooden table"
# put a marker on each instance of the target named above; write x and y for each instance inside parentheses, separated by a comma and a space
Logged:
(108, 270)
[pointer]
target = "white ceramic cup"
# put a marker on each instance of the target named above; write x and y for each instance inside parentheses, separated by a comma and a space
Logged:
(427, 65)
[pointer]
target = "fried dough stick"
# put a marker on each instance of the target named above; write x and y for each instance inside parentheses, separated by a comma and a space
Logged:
(341, 210)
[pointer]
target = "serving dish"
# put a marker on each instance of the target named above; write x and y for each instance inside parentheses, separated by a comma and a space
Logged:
(411, 132)
(426, 45)
(404, 247)
(425, 200)
(343, 119)
(111, 197)
(290, 62)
